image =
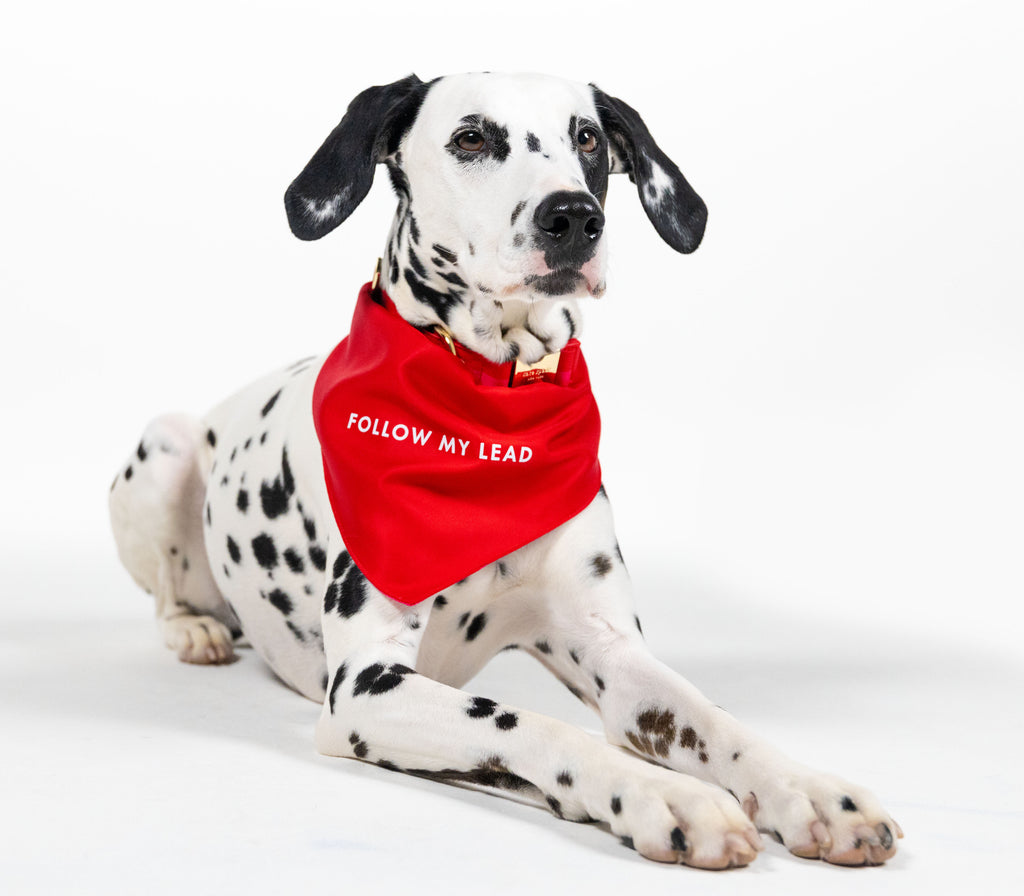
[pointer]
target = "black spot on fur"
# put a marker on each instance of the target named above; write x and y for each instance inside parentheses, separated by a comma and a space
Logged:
(294, 561)
(359, 746)
(543, 646)
(570, 323)
(656, 732)
(441, 302)
(265, 551)
(233, 552)
(627, 842)
(481, 708)
(390, 766)
(275, 495)
(417, 265)
(848, 805)
(341, 563)
(565, 779)
(299, 634)
(688, 738)
(636, 619)
(309, 526)
(556, 806)
(616, 805)
(440, 601)
(211, 437)
(735, 756)
(281, 601)
(485, 777)
(507, 721)
(574, 656)
(453, 278)
(270, 403)
(318, 557)
(351, 593)
(678, 840)
(601, 564)
(140, 452)
(339, 677)
(516, 212)
(599, 682)
(463, 619)
(532, 142)
(446, 254)
(376, 679)
(128, 473)
(476, 626)
(243, 500)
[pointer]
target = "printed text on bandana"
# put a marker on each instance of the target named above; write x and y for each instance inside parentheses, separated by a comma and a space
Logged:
(422, 438)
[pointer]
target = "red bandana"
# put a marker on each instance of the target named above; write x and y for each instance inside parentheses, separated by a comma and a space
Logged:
(435, 467)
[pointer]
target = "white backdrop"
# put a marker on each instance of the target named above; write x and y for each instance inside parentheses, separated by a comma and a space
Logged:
(814, 421)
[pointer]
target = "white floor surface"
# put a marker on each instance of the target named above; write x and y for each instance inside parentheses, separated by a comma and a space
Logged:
(124, 771)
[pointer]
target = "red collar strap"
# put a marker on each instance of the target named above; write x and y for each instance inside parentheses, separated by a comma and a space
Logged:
(434, 466)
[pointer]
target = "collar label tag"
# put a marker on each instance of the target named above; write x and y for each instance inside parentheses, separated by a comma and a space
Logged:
(545, 370)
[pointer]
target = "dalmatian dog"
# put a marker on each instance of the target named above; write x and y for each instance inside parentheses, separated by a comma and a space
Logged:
(498, 237)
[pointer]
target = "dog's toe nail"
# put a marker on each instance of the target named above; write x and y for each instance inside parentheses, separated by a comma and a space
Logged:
(884, 835)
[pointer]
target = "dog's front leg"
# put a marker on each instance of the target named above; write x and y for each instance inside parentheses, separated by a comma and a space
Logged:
(379, 709)
(594, 644)
(654, 711)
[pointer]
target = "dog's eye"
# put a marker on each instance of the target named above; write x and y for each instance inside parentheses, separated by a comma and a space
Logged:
(470, 141)
(587, 139)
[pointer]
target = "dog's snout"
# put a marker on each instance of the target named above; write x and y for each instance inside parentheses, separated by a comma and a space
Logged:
(569, 223)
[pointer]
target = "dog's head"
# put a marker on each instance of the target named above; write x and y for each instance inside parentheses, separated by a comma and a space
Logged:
(501, 181)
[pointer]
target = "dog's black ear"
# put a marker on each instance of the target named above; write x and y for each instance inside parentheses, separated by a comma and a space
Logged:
(675, 210)
(339, 175)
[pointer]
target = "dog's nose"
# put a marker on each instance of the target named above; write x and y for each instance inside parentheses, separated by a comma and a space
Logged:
(569, 224)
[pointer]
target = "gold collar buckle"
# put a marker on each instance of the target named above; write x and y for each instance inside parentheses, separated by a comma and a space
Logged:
(446, 337)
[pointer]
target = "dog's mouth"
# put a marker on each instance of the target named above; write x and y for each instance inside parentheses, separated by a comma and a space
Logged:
(566, 282)
(562, 283)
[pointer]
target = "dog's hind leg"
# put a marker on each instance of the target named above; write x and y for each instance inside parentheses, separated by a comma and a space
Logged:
(156, 507)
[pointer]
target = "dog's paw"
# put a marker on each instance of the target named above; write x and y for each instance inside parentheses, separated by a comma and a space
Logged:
(198, 639)
(818, 816)
(669, 817)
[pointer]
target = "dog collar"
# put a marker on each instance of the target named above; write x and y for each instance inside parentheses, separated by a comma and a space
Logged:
(434, 465)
